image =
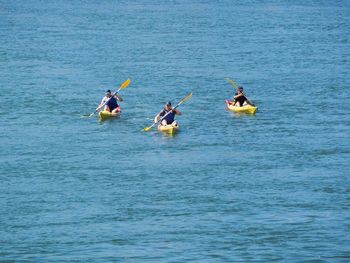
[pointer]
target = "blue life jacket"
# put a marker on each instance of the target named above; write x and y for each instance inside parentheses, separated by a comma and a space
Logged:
(170, 117)
(112, 103)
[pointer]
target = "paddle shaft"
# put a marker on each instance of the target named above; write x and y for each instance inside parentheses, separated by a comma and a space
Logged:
(233, 83)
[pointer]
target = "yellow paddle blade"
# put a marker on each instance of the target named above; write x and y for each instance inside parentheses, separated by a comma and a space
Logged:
(233, 83)
(147, 128)
(125, 84)
(187, 98)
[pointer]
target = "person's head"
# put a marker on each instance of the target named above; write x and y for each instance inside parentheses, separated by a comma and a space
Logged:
(108, 93)
(240, 89)
(168, 105)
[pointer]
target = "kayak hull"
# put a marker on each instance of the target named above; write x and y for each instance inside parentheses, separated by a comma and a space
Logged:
(249, 109)
(104, 115)
(169, 129)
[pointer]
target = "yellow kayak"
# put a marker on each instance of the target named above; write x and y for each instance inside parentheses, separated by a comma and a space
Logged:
(170, 129)
(107, 114)
(244, 109)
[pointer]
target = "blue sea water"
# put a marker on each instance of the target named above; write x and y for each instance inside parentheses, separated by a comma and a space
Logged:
(273, 187)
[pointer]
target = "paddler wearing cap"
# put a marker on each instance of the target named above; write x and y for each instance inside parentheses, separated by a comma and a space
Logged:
(112, 104)
(169, 118)
(240, 99)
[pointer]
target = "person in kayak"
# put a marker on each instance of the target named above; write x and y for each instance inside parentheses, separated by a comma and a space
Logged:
(170, 118)
(240, 99)
(112, 104)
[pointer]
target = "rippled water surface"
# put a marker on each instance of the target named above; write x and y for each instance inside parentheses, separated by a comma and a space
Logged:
(227, 188)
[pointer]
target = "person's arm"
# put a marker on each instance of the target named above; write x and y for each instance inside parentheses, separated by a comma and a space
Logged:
(156, 119)
(177, 112)
(101, 104)
(238, 95)
(234, 101)
(118, 97)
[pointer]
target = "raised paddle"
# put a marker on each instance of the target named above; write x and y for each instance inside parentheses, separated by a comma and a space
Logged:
(185, 99)
(233, 83)
(123, 86)
(236, 87)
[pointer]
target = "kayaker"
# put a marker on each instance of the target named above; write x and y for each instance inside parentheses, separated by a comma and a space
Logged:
(112, 104)
(170, 118)
(240, 99)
